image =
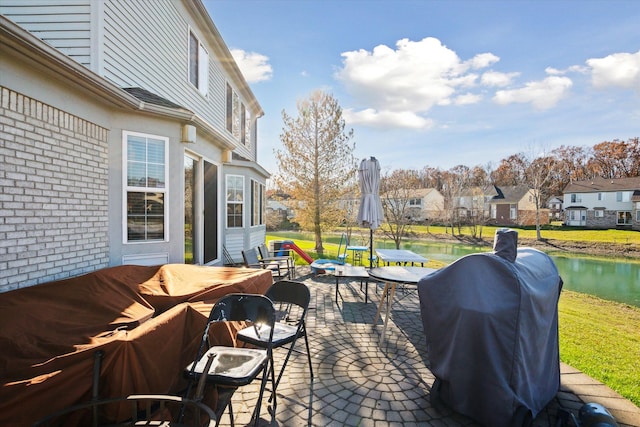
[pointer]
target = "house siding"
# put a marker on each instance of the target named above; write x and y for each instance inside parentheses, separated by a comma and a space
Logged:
(53, 180)
(64, 24)
(162, 39)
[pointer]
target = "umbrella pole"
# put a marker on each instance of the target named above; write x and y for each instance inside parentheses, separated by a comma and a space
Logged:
(370, 248)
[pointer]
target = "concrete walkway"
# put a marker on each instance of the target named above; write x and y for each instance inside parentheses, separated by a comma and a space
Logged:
(359, 382)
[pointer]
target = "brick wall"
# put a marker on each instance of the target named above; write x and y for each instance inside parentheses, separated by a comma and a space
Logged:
(54, 193)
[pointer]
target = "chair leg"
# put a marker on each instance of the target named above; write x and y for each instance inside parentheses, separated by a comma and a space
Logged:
(306, 341)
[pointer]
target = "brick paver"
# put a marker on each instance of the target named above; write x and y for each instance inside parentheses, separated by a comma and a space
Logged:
(361, 382)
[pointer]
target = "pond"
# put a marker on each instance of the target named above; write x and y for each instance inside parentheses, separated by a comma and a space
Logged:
(610, 279)
(607, 278)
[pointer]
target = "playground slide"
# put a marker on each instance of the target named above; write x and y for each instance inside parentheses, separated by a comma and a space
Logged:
(290, 245)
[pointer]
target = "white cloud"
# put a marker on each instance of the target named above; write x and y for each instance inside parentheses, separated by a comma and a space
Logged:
(618, 69)
(410, 79)
(542, 94)
(467, 98)
(385, 119)
(497, 79)
(254, 66)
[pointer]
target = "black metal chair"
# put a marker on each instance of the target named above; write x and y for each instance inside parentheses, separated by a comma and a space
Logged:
(291, 300)
(231, 367)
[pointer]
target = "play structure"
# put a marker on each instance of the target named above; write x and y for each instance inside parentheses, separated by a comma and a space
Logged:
(318, 266)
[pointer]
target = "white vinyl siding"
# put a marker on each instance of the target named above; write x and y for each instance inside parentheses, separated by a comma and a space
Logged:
(64, 24)
(160, 39)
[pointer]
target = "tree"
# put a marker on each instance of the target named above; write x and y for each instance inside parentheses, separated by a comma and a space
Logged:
(395, 193)
(316, 164)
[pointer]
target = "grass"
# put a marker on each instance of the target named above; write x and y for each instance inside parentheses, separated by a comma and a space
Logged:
(600, 338)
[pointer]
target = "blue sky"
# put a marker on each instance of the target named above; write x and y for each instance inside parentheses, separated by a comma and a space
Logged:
(443, 83)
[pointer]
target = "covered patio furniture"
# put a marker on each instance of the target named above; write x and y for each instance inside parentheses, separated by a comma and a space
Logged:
(491, 323)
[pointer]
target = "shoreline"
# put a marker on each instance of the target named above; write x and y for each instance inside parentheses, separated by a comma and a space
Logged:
(618, 250)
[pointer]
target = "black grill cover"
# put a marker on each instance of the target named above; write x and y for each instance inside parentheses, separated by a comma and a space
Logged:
(491, 323)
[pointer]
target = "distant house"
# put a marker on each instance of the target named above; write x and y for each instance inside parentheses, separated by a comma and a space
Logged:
(554, 204)
(515, 205)
(425, 204)
(129, 136)
(473, 203)
(603, 203)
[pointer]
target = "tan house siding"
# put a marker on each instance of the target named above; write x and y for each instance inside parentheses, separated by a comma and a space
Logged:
(53, 181)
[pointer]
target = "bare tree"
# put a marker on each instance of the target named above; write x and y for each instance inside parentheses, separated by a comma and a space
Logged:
(395, 194)
(316, 165)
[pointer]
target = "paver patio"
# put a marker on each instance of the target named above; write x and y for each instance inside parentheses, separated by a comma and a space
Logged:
(359, 382)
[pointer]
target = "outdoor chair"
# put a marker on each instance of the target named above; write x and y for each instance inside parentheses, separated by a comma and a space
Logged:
(227, 368)
(285, 261)
(291, 300)
(342, 249)
(251, 260)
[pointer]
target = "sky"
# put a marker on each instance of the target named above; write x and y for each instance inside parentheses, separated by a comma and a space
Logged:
(443, 83)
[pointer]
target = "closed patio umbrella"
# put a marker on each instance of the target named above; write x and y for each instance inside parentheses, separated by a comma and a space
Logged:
(370, 213)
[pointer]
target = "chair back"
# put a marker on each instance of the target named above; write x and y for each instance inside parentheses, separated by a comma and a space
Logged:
(264, 251)
(250, 257)
(290, 292)
(243, 307)
(342, 248)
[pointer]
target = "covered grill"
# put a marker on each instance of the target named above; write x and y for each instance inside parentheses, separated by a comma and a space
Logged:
(491, 323)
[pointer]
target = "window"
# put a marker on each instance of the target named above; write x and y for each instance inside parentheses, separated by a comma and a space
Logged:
(235, 201)
(623, 196)
(198, 64)
(145, 187)
(238, 120)
(494, 211)
(638, 215)
(257, 203)
(624, 218)
(599, 213)
(576, 198)
(599, 196)
(513, 211)
(415, 202)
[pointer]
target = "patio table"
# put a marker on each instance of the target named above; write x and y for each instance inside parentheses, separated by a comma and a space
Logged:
(400, 257)
(392, 276)
(351, 272)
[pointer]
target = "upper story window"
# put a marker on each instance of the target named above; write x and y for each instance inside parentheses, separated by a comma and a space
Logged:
(623, 196)
(599, 196)
(145, 159)
(238, 119)
(198, 64)
(235, 201)
(415, 202)
(576, 198)
(257, 203)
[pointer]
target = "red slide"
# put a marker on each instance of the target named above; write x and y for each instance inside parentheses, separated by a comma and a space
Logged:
(290, 245)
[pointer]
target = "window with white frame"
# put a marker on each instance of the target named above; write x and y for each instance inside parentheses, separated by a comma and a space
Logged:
(494, 211)
(198, 64)
(416, 202)
(624, 218)
(638, 215)
(513, 211)
(145, 159)
(238, 120)
(235, 201)
(623, 196)
(598, 213)
(576, 198)
(599, 196)
(257, 203)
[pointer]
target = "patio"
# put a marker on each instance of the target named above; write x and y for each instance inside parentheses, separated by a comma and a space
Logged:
(359, 382)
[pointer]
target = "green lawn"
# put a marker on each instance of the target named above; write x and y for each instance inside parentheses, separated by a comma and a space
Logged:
(600, 338)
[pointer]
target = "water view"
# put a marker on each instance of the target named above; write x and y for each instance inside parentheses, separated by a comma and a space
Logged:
(608, 278)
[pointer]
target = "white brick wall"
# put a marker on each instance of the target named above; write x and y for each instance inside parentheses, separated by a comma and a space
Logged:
(54, 193)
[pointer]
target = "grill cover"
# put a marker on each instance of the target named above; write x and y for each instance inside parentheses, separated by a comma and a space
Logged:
(491, 323)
